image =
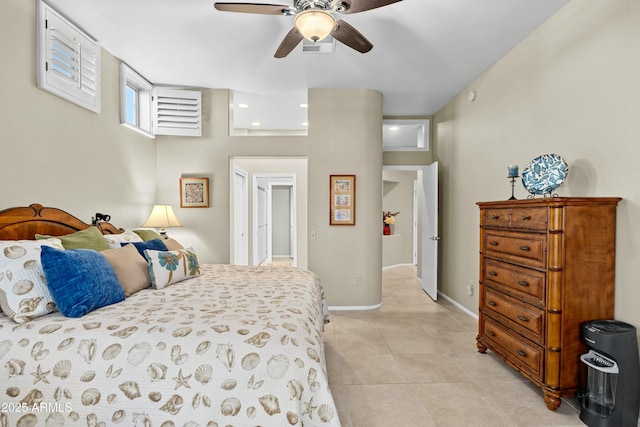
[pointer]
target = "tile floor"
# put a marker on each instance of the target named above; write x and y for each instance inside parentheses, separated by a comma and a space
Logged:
(414, 363)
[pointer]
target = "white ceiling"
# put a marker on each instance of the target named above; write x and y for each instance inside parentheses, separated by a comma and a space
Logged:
(425, 51)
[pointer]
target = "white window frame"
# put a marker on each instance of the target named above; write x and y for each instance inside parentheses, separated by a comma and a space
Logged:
(160, 110)
(143, 108)
(68, 59)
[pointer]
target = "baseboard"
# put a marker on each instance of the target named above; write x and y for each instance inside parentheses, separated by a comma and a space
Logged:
(354, 307)
(458, 305)
(397, 265)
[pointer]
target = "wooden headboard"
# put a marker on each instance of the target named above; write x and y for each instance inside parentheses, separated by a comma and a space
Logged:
(25, 222)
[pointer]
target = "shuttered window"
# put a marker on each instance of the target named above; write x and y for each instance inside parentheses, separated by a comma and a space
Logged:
(177, 112)
(68, 60)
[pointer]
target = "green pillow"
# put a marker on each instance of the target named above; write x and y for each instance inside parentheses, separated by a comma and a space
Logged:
(90, 238)
(147, 234)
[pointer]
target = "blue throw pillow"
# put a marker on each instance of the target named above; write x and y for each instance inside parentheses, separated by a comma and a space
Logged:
(154, 245)
(80, 280)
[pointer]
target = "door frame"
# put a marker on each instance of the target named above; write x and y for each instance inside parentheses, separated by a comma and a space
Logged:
(282, 179)
(292, 217)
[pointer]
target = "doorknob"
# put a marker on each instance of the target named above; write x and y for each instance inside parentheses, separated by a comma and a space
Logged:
(435, 238)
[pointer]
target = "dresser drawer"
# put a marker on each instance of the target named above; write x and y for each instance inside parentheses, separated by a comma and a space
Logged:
(514, 348)
(519, 281)
(529, 218)
(497, 218)
(524, 318)
(527, 249)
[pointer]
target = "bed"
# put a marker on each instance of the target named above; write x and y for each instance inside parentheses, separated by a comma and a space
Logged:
(232, 346)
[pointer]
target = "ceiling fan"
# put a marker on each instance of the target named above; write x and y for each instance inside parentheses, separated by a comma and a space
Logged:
(314, 20)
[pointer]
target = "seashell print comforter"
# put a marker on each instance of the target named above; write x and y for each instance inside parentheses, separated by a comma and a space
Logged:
(237, 346)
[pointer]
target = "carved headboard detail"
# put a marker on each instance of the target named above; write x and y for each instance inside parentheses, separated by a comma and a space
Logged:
(25, 222)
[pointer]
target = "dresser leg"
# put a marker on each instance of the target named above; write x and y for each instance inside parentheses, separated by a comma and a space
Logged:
(552, 399)
(481, 347)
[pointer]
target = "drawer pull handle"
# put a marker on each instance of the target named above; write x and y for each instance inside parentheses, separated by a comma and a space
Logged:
(493, 243)
(492, 273)
(521, 353)
(524, 319)
(491, 333)
(492, 303)
(522, 283)
(526, 217)
(494, 217)
(525, 248)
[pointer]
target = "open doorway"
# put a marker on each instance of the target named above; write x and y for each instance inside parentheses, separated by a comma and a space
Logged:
(276, 210)
(427, 224)
(274, 217)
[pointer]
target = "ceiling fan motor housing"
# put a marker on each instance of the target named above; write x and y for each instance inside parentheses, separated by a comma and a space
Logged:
(301, 5)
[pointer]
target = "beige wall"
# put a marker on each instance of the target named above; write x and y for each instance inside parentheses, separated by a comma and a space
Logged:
(55, 153)
(571, 88)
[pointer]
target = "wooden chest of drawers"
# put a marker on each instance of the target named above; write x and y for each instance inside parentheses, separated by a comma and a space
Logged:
(546, 267)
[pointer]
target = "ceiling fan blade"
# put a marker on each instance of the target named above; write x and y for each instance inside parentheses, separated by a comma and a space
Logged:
(348, 35)
(265, 9)
(355, 6)
(290, 41)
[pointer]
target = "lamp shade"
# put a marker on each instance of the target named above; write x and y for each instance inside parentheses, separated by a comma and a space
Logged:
(315, 25)
(162, 216)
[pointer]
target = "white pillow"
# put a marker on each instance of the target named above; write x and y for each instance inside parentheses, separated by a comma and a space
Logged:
(24, 294)
(114, 240)
(169, 267)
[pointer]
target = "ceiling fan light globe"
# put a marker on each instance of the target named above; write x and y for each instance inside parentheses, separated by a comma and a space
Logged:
(315, 25)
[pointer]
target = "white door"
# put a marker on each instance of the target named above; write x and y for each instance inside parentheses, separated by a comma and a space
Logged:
(430, 230)
(241, 218)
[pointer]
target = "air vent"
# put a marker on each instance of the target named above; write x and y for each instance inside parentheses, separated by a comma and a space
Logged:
(327, 45)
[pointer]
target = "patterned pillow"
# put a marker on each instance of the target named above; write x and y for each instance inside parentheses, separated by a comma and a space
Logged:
(169, 267)
(24, 294)
(114, 240)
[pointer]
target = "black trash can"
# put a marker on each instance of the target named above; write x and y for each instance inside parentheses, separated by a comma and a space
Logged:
(612, 395)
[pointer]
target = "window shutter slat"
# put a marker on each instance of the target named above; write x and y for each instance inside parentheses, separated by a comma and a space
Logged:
(177, 112)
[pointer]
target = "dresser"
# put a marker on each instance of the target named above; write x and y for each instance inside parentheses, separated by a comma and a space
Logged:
(546, 266)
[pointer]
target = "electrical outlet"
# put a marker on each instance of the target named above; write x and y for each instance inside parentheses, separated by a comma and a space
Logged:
(312, 235)
(470, 287)
(358, 280)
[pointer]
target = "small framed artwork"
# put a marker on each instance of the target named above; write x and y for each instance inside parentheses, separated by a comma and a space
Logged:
(342, 191)
(194, 192)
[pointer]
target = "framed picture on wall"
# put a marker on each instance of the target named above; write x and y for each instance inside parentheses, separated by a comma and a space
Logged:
(194, 192)
(342, 204)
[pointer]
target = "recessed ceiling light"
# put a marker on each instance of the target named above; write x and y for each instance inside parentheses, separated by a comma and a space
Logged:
(243, 105)
(393, 128)
(255, 124)
(304, 105)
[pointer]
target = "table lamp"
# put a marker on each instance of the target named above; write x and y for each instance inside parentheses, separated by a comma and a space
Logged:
(162, 216)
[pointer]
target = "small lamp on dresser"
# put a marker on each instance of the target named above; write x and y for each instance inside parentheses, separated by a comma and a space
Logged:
(161, 217)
